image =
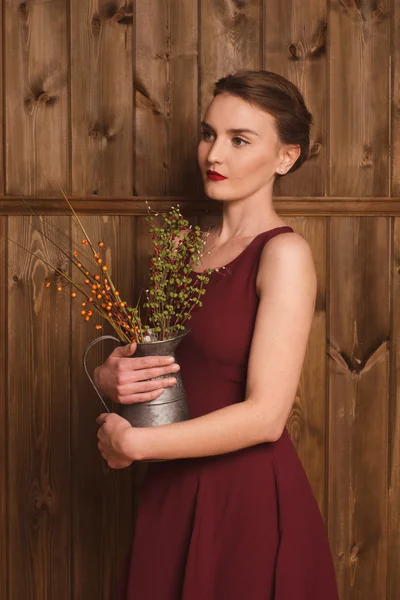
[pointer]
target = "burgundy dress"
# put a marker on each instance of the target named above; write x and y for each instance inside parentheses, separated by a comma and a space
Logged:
(237, 526)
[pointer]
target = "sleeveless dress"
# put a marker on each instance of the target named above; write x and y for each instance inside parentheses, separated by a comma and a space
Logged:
(237, 526)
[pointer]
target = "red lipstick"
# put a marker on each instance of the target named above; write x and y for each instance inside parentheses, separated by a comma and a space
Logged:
(214, 176)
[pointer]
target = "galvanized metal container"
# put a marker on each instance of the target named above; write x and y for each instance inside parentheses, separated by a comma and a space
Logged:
(171, 406)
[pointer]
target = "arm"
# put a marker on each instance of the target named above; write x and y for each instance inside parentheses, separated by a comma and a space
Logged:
(287, 287)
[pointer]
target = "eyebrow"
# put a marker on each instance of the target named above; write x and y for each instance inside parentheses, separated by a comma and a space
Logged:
(240, 130)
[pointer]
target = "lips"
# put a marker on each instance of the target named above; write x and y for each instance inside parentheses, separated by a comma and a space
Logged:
(214, 176)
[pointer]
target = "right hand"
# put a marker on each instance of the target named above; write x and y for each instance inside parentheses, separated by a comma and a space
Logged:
(125, 380)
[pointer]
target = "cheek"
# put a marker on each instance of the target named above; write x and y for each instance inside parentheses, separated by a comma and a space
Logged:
(250, 165)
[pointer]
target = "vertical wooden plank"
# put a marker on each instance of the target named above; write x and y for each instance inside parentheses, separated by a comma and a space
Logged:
(36, 102)
(4, 515)
(230, 39)
(395, 112)
(102, 130)
(393, 529)
(359, 315)
(359, 34)
(38, 422)
(166, 121)
(295, 46)
(307, 420)
(36, 121)
(101, 97)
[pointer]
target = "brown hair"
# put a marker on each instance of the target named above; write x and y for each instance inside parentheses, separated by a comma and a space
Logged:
(280, 98)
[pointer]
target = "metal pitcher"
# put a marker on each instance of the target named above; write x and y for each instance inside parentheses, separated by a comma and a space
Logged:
(171, 406)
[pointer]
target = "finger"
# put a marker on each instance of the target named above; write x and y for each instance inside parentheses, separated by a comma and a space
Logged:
(139, 387)
(102, 418)
(150, 362)
(143, 397)
(145, 374)
(125, 350)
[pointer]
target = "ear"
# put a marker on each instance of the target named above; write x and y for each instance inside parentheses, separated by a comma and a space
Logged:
(287, 157)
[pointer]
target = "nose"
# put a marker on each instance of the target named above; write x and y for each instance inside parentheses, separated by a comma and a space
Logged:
(216, 153)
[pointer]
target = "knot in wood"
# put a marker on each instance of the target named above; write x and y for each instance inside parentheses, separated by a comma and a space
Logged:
(43, 98)
(23, 7)
(354, 553)
(96, 23)
(94, 133)
(315, 149)
(293, 52)
(366, 160)
(15, 279)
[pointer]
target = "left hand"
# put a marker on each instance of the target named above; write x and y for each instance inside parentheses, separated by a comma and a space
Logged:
(112, 436)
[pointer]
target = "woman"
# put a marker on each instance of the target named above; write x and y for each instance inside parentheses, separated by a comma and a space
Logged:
(230, 515)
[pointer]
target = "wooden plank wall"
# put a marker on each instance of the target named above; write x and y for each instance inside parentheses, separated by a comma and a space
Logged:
(107, 97)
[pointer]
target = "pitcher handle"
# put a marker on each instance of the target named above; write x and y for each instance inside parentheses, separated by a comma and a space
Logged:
(99, 339)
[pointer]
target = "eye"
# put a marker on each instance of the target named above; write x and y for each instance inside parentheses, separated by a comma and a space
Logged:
(206, 135)
(239, 142)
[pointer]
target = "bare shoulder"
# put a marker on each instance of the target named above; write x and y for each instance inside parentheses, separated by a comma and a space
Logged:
(287, 257)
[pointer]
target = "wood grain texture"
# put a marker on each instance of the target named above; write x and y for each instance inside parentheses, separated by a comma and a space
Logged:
(307, 421)
(38, 421)
(166, 120)
(128, 205)
(4, 487)
(358, 347)
(36, 102)
(101, 497)
(101, 98)
(393, 491)
(36, 125)
(295, 40)
(359, 51)
(395, 107)
(230, 39)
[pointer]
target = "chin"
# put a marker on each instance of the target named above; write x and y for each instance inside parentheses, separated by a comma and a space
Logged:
(215, 193)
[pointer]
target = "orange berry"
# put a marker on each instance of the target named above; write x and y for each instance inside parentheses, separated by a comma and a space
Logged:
(48, 284)
(116, 293)
(98, 296)
(90, 299)
(59, 289)
(83, 303)
(101, 244)
(87, 318)
(85, 242)
(103, 305)
(86, 272)
(75, 253)
(104, 268)
(83, 313)
(99, 261)
(99, 327)
(87, 281)
(79, 265)
(89, 312)
(110, 314)
(97, 277)
(73, 295)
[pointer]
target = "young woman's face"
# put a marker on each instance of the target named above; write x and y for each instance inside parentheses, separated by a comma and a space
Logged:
(248, 160)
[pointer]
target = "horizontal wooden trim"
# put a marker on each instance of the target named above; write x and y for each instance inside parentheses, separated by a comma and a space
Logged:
(136, 205)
